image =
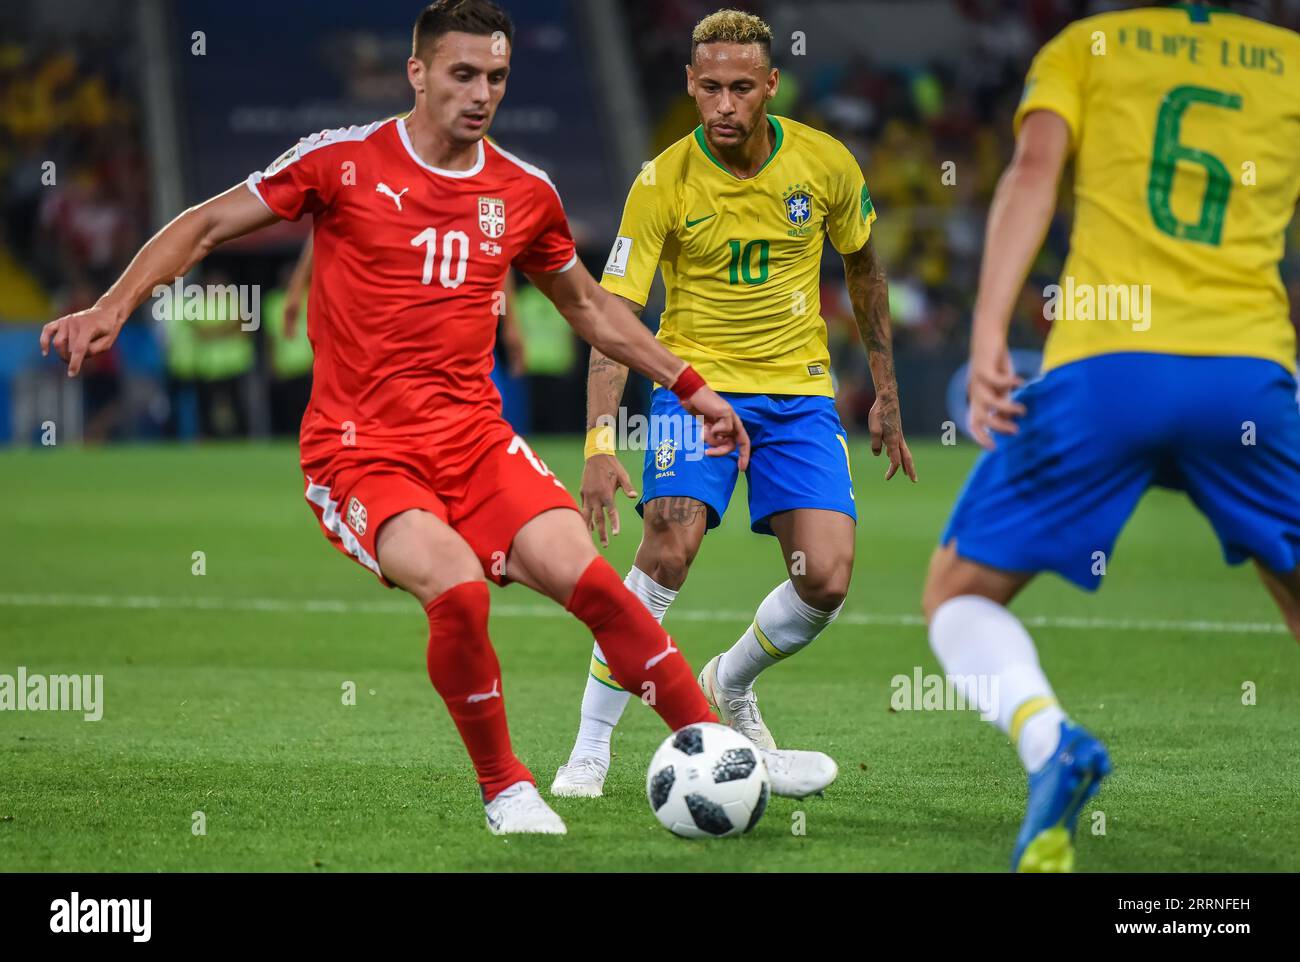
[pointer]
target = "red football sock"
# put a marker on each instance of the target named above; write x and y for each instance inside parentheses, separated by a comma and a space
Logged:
(638, 648)
(464, 670)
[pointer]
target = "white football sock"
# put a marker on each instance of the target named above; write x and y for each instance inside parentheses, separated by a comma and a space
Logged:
(603, 700)
(973, 636)
(783, 625)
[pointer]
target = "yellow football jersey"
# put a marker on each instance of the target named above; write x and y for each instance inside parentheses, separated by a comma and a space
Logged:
(1185, 123)
(741, 259)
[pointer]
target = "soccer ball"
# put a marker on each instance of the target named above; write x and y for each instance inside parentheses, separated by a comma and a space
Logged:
(707, 781)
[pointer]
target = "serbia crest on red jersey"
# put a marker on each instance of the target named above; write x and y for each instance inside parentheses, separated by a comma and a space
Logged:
(492, 216)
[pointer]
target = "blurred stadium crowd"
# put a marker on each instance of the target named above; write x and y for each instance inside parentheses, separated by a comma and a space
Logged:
(76, 203)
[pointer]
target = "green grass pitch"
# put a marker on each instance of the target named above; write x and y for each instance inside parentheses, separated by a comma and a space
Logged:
(226, 698)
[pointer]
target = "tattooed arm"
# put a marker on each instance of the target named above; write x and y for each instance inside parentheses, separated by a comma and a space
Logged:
(606, 379)
(869, 294)
(603, 474)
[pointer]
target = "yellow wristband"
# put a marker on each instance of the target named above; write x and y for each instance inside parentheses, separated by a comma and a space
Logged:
(600, 440)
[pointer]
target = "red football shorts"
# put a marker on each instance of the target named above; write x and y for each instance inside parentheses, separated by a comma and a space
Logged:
(486, 484)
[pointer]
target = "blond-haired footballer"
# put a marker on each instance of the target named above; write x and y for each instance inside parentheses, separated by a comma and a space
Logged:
(735, 216)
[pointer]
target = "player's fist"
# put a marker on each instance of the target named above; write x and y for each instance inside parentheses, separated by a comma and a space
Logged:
(992, 379)
(602, 476)
(723, 430)
(78, 336)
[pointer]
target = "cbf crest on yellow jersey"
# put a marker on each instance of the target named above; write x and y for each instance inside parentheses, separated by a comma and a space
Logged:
(1185, 122)
(741, 259)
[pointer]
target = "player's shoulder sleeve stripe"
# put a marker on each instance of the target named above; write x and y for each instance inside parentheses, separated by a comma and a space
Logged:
(342, 134)
(525, 166)
(251, 183)
(312, 142)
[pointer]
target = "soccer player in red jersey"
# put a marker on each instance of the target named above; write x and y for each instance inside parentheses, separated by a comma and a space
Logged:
(409, 466)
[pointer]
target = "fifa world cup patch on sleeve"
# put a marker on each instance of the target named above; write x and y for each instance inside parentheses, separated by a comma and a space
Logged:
(357, 516)
(618, 255)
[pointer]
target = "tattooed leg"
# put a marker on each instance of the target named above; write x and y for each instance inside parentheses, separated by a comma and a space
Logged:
(673, 530)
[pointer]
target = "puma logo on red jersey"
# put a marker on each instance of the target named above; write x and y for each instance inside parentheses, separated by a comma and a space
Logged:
(484, 696)
(661, 656)
(397, 198)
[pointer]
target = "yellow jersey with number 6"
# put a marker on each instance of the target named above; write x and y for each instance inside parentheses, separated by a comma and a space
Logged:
(741, 259)
(1185, 125)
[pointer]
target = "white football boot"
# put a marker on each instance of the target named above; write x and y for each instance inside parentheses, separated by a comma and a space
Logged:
(580, 778)
(735, 711)
(520, 809)
(793, 774)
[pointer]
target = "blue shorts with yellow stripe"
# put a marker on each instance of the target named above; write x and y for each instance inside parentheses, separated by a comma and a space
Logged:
(799, 458)
(1099, 432)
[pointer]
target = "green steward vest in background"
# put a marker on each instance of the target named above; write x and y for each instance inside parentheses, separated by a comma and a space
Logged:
(224, 356)
(182, 360)
(290, 357)
(548, 339)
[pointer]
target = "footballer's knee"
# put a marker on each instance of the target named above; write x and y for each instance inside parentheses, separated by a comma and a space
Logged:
(421, 554)
(666, 565)
(951, 576)
(824, 586)
(551, 553)
(673, 530)
(430, 585)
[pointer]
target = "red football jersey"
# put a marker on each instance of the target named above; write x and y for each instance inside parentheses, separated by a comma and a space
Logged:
(410, 264)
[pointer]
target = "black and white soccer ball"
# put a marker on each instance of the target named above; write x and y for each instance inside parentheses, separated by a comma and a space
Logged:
(707, 781)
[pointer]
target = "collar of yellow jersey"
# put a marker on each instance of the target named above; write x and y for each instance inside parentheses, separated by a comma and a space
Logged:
(777, 132)
(1199, 12)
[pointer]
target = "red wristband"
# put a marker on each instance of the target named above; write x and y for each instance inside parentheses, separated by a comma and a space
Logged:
(687, 383)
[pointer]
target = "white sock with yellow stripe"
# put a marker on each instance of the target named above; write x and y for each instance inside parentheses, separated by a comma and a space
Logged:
(783, 625)
(974, 637)
(604, 699)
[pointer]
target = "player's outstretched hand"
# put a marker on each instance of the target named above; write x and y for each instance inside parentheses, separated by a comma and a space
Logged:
(991, 406)
(723, 431)
(81, 335)
(602, 477)
(887, 435)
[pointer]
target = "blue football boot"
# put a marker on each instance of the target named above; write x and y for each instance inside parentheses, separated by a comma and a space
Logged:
(1057, 792)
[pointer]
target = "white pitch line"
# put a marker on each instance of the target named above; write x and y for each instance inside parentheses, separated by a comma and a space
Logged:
(406, 607)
